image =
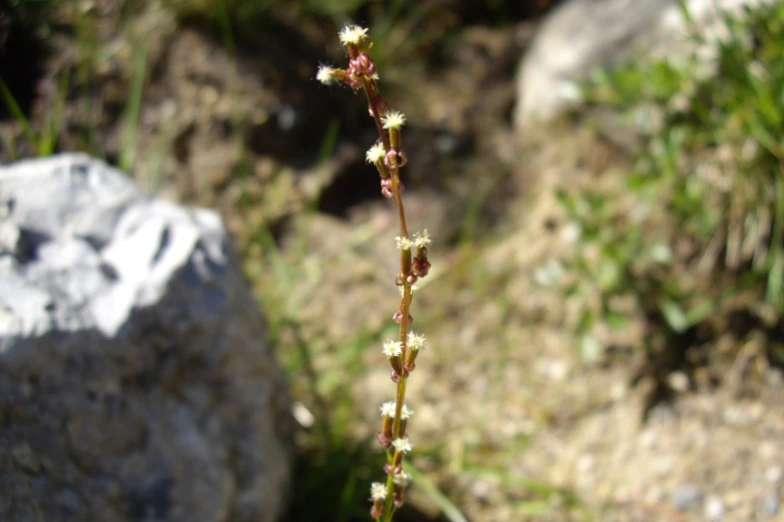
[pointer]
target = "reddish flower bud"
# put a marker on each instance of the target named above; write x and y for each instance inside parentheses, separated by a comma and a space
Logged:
(363, 65)
(386, 188)
(398, 316)
(420, 266)
(384, 440)
(388, 468)
(395, 158)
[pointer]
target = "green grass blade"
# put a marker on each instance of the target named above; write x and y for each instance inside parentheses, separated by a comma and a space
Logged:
(16, 112)
(776, 276)
(132, 111)
(47, 143)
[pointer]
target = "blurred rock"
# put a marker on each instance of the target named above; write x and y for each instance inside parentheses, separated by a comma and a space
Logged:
(135, 381)
(584, 34)
(686, 496)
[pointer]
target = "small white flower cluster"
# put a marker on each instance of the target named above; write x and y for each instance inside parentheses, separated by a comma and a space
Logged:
(375, 153)
(403, 243)
(403, 445)
(388, 410)
(416, 341)
(392, 348)
(326, 74)
(352, 34)
(422, 239)
(378, 491)
(394, 120)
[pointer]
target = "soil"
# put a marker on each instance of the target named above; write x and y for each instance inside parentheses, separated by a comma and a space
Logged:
(511, 422)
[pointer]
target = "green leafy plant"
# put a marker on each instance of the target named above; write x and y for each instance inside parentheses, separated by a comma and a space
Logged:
(388, 156)
(696, 229)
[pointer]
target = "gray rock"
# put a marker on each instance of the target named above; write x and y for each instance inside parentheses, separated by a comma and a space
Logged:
(135, 380)
(686, 496)
(584, 34)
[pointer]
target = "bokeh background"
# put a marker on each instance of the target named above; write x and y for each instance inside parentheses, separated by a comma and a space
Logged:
(604, 309)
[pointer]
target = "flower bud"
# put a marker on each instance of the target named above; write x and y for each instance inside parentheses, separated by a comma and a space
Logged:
(386, 187)
(395, 158)
(420, 266)
(362, 65)
(399, 317)
(383, 440)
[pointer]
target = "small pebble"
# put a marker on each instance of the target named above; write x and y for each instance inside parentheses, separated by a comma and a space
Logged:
(686, 496)
(714, 508)
(679, 382)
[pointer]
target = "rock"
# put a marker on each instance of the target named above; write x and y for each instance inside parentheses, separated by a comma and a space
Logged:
(714, 508)
(584, 34)
(135, 381)
(686, 496)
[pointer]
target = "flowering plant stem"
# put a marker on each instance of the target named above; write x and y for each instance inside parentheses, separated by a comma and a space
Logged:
(388, 157)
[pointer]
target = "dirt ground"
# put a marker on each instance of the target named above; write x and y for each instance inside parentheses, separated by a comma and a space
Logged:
(511, 422)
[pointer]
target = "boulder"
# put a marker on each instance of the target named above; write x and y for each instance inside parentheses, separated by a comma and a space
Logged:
(136, 383)
(582, 35)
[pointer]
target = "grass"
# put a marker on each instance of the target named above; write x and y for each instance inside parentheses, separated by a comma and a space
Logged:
(44, 139)
(693, 234)
(133, 107)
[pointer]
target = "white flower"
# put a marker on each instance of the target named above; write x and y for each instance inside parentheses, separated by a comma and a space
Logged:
(402, 479)
(402, 445)
(352, 34)
(422, 239)
(375, 153)
(378, 491)
(403, 243)
(416, 342)
(394, 120)
(393, 348)
(325, 74)
(388, 409)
